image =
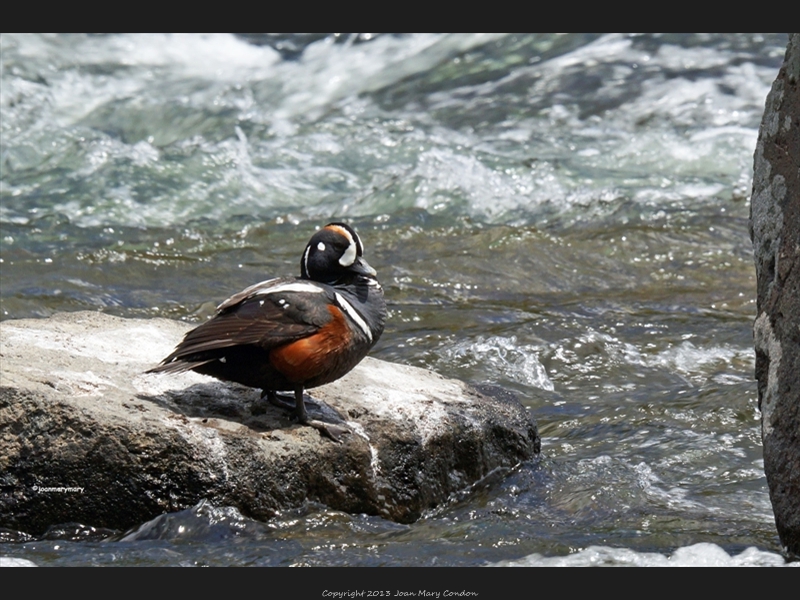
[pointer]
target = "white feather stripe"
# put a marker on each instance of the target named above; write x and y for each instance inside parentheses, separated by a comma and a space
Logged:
(295, 286)
(353, 314)
(245, 293)
(305, 260)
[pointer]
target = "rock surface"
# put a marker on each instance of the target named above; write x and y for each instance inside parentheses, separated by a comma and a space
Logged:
(86, 436)
(775, 231)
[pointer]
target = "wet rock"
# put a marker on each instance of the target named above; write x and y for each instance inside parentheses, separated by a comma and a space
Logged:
(87, 437)
(775, 231)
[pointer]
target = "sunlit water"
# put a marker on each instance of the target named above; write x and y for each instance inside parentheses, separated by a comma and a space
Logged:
(562, 215)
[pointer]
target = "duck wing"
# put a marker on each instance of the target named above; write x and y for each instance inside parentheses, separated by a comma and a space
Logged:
(267, 314)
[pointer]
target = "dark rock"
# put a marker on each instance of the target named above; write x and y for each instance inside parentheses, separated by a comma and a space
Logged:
(775, 231)
(87, 437)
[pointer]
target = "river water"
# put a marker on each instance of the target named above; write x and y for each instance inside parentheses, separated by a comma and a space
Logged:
(565, 216)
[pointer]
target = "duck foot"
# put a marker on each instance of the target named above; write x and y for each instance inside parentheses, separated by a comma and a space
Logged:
(329, 430)
(259, 407)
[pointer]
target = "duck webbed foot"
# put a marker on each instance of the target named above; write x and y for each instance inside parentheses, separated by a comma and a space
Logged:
(330, 430)
(259, 407)
(298, 407)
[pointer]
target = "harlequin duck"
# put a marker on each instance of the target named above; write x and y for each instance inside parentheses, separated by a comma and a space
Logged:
(289, 334)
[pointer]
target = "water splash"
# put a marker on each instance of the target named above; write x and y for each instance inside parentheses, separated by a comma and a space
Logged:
(501, 357)
(696, 555)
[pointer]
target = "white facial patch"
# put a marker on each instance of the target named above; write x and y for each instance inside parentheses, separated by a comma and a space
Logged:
(321, 247)
(305, 259)
(354, 247)
(349, 256)
(353, 314)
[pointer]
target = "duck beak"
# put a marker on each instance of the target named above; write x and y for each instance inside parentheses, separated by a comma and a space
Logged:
(362, 268)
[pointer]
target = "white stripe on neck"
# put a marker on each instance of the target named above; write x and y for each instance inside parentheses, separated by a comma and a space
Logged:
(353, 314)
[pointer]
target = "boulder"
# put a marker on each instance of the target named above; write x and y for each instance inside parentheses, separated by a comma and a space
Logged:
(86, 436)
(775, 231)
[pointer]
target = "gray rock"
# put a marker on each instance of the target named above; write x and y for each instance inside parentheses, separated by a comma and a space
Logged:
(775, 231)
(86, 436)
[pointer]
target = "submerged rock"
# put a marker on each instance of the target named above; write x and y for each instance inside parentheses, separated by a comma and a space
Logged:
(775, 230)
(86, 436)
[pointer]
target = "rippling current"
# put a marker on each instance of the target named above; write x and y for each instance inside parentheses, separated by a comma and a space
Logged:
(561, 215)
